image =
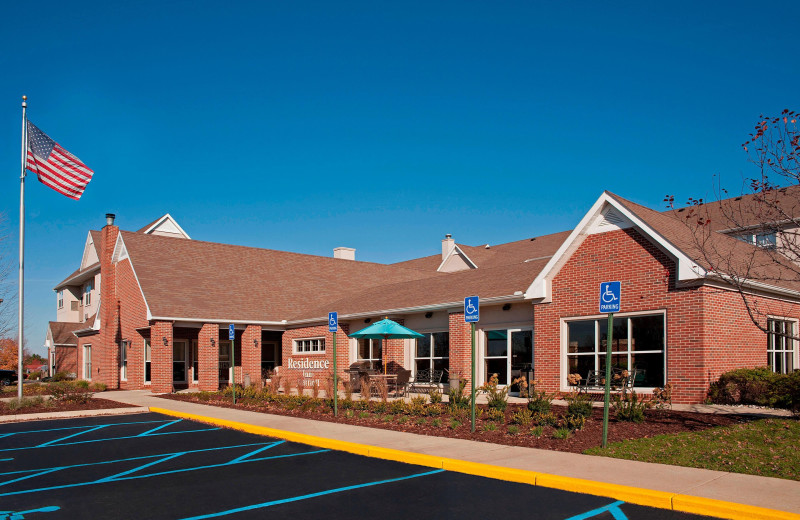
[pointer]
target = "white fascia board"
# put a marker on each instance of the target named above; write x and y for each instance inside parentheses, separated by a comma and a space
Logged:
(214, 320)
(121, 253)
(162, 220)
(410, 310)
(462, 253)
(540, 288)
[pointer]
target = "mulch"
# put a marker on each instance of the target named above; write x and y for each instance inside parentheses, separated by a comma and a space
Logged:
(95, 403)
(657, 422)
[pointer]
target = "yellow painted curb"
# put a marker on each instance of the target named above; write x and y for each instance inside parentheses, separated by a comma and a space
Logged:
(630, 494)
(722, 509)
(633, 495)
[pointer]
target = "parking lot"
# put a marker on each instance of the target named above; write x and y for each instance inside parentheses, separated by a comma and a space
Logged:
(154, 466)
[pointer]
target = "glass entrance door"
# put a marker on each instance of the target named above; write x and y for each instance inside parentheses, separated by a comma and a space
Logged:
(224, 362)
(508, 353)
(179, 361)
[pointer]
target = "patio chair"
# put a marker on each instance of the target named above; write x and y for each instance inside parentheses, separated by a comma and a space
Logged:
(421, 380)
(436, 378)
(400, 385)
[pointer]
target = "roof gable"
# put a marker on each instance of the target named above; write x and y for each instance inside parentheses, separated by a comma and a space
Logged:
(165, 226)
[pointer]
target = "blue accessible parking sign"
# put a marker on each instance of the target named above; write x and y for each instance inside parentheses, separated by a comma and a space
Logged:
(231, 332)
(333, 321)
(471, 309)
(610, 296)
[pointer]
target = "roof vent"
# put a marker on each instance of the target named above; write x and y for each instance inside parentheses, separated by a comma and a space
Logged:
(344, 253)
(448, 244)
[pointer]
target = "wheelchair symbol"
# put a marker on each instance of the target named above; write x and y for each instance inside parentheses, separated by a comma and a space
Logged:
(332, 322)
(609, 296)
(471, 308)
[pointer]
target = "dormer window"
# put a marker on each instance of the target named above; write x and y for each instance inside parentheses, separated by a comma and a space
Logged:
(87, 293)
(61, 299)
(763, 240)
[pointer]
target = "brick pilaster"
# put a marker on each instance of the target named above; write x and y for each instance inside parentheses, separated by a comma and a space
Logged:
(161, 356)
(209, 357)
(251, 354)
(461, 346)
(105, 355)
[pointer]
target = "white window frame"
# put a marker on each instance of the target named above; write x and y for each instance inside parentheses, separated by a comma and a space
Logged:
(147, 356)
(791, 351)
(374, 362)
(598, 332)
(431, 358)
(87, 293)
(195, 353)
(87, 366)
(124, 346)
(484, 345)
(757, 239)
(60, 299)
(306, 346)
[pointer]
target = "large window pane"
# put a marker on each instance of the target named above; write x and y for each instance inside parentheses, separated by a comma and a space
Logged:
(441, 344)
(521, 349)
(497, 366)
(424, 346)
(619, 342)
(649, 369)
(647, 333)
(581, 365)
(581, 336)
(496, 343)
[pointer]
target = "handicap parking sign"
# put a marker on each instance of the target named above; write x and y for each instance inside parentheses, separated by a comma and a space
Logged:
(333, 321)
(610, 296)
(231, 332)
(471, 309)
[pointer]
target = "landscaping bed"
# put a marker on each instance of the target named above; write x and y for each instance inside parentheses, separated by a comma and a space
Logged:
(443, 421)
(33, 405)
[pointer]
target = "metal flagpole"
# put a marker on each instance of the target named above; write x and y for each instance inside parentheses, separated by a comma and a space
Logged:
(22, 245)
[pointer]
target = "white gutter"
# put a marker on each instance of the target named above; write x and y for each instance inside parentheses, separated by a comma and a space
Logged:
(218, 320)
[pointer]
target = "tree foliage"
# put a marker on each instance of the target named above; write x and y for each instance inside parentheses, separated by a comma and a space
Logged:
(8, 353)
(766, 214)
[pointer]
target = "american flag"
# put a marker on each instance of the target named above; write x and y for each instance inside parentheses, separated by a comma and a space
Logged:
(55, 166)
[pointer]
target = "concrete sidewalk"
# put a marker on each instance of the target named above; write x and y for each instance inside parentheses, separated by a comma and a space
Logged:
(777, 494)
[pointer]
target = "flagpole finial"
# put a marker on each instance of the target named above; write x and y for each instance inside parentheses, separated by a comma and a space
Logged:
(24, 101)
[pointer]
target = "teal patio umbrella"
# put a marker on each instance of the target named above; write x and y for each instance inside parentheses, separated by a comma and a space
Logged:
(386, 329)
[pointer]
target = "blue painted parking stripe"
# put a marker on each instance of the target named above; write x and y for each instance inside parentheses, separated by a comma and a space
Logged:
(158, 428)
(82, 427)
(311, 495)
(49, 443)
(247, 455)
(128, 459)
(101, 481)
(134, 470)
(6, 460)
(107, 439)
(612, 508)
(45, 472)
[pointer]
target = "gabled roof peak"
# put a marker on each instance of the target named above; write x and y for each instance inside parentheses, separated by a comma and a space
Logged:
(165, 226)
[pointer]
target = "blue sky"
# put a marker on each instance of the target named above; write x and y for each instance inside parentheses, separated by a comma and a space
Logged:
(304, 126)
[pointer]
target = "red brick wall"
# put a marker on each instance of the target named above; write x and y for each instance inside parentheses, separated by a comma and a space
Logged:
(251, 354)
(209, 357)
(67, 359)
(161, 356)
(342, 353)
(131, 315)
(105, 351)
(708, 330)
(461, 346)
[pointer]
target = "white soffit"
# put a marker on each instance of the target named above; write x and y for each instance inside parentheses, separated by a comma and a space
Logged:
(607, 214)
(167, 226)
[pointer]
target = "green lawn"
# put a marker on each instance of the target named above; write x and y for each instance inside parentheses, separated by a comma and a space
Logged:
(767, 447)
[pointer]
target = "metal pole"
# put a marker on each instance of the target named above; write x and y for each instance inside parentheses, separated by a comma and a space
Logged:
(233, 366)
(472, 382)
(609, 339)
(22, 245)
(335, 381)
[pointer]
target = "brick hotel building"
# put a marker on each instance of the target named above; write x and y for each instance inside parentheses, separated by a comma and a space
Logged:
(150, 309)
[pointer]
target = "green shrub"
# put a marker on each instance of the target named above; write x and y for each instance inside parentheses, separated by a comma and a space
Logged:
(495, 415)
(579, 405)
(70, 393)
(497, 397)
(398, 406)
(422, 421)
(574, 422)
(402, 419)
(363, 415)
(435, 396)
(545, 419)
(512, 429)
(62, 376)
(26, 402)
(562, 433)
(98, 387)
(489, 427)
(537, 431)
(457, 396)
(436, 422)
(758, 386)
(387, 418)
(454, 424)
(629, 407)
(523, 417)
(539, 401)
(81, 383)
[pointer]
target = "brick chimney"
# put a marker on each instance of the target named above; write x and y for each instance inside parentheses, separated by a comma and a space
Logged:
(345, 253)
(107, 355)
(447, 245)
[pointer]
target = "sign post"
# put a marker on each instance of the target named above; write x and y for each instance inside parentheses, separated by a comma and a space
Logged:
(610, 299)
(232, 337)
(471, 316)
(333, 326)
